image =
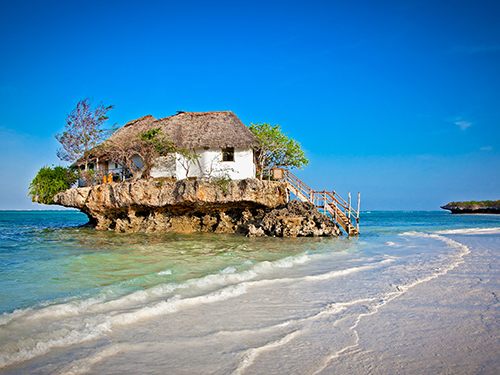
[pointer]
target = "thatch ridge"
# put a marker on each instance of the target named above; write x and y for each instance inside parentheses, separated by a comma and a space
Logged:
(132, 128)
(141, 119)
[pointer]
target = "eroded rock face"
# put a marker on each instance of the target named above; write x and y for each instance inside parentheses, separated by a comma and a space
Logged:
(251, 207)
(295, 219)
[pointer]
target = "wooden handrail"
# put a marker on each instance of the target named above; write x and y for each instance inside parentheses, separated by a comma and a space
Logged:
(329, 198)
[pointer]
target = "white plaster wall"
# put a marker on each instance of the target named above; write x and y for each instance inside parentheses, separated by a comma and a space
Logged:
(182, 163)
(209, 164)
(244, 166)
(165, 166)
(212, 165)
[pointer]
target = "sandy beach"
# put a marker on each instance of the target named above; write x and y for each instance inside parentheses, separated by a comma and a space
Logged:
(448, 325)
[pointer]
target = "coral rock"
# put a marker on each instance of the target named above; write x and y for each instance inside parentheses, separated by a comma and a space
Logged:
(252, 207)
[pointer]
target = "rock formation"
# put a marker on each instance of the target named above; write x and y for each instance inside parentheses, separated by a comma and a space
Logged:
(252, 207)
(473, 207)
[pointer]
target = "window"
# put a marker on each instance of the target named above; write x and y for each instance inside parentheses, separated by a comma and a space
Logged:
(228, 154)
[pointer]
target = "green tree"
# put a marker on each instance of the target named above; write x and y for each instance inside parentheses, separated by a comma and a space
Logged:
(276, 149)
(83, 131)
(161, 143)
(50, 181)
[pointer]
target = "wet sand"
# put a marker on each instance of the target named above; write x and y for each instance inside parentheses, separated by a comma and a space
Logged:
(448, 325)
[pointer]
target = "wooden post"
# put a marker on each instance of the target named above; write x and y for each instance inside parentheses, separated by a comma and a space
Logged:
(335, 211)
(357, 219)
(349, 207)
(324, 203)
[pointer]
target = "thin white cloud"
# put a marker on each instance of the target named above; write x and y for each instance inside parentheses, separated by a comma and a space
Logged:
(463, 124)
(486, 148)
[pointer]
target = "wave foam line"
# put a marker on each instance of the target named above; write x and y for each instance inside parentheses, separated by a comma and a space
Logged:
(175, 304)
(320, 277)
(347, 271)
(400, 291)
(162, 308)
(26, 349)
(6, 318)
(252, 353)
(100, 305)
(471, 231)
(84, 365)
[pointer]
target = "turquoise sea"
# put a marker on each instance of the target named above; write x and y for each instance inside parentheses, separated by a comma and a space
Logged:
(416, 292)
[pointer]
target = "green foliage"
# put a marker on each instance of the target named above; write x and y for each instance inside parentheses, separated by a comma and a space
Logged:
(476, 203)
(50, 181)
(276, 149)
(162, 144)
(222, 182)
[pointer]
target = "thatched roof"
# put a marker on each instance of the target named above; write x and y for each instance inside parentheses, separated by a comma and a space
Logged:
(194, 129)
(132, 128)
(187, 129)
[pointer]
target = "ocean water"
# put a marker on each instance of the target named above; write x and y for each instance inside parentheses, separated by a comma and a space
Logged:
(416, 292)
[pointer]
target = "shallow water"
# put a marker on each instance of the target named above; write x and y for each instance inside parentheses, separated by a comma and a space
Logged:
(79, 301)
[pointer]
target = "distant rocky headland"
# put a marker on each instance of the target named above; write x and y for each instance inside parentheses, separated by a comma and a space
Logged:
(473, 207)
(251, 207)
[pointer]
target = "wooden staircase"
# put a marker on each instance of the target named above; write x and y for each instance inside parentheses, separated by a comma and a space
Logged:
(340, 210)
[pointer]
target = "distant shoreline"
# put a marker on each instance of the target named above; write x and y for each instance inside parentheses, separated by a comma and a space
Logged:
(474, 207)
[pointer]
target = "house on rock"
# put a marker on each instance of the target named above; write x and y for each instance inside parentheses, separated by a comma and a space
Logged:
(222, 145)
(199, 145)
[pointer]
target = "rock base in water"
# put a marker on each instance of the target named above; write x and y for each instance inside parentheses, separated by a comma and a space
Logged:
(251, 207)
(295, 219)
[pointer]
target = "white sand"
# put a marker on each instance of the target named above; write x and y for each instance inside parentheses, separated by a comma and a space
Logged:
(449, 325)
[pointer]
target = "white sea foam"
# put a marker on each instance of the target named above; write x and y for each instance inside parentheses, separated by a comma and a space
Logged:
(471, 231)
(346, 271)
(252, 353)
(175, 304)
(84, 365)
(101, 304)
(27, 348)
(166, 272)
(5, 318)
(228, 270)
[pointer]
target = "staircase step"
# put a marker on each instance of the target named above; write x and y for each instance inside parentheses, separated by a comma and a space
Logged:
(335, 211)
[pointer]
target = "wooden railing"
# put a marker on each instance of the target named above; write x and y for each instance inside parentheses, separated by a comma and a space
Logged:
(340, 210)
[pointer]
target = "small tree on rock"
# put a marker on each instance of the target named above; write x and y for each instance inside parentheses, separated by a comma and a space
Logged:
(83, 131)
(276, 149)
(50, 181)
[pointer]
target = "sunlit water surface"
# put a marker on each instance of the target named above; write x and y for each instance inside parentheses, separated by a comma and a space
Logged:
(75, 300)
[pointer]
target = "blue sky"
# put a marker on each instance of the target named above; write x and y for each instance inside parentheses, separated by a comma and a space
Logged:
(399, 100)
